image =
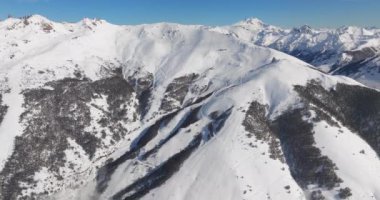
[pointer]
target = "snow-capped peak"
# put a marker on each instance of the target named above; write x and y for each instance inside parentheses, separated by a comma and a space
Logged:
(305, 29)
(252, 22)
(38, 19)
(92, 22)
(35, 23)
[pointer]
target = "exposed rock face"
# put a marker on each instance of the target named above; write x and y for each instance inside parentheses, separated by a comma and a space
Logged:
(348, 63)
(363, 54)
(176, 92)
(312, 57)
(359, 62)
(60, 114)
(3, 109)
(142, 85)
(257, 123)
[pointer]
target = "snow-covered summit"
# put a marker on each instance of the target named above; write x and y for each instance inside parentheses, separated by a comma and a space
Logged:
(38, 19)
(305, 29)
(29, 22)
(255, 22)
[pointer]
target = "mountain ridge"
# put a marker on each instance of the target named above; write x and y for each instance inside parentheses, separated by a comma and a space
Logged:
(350, 51)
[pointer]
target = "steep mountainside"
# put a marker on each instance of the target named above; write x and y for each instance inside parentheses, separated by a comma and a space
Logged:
(349, 51)
(93, 110)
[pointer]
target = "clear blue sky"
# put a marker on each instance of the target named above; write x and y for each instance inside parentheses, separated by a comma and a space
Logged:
(285, 13)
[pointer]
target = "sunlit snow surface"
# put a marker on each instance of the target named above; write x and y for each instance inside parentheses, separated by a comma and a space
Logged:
(235, 71)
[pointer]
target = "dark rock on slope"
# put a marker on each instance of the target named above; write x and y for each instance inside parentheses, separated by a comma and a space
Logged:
(55, 115)
(355, 107)
(257, 124)
(176, 92)
(307, 165)
(3, 109)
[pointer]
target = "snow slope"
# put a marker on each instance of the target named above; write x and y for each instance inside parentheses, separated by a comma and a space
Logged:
(168, 111)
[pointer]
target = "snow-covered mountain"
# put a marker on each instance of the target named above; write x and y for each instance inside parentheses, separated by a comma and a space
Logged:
(350, 51)
(91, 110)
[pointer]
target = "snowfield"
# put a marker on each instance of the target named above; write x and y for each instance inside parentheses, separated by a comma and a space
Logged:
(94, 110)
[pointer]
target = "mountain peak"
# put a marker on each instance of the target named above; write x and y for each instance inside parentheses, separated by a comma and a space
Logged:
(92, 22)
(251, 21)
(37, 18)
(303, 29)
(254, 21)
(36, 22)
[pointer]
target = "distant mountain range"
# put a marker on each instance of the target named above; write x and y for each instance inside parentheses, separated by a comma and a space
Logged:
(349, 51)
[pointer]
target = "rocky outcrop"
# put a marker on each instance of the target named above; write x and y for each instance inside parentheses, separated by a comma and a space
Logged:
(176, 92)
(256, 123)
(3, 109)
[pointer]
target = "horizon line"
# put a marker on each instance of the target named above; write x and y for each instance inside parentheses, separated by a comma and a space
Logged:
(182, 23)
